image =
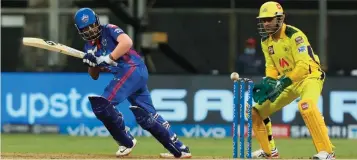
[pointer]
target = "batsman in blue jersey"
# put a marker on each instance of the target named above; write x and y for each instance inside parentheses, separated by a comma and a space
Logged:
(109, 48)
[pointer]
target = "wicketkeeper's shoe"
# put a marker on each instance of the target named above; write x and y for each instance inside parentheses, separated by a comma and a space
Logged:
(185, 154)
(124, 151)
(324, 155)
(261, 154)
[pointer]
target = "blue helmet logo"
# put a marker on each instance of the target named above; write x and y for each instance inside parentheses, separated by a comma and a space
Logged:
(85, 18)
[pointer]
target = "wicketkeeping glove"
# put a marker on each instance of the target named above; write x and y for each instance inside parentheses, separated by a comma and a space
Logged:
(283, 82)
(260, 91)
(269, 81)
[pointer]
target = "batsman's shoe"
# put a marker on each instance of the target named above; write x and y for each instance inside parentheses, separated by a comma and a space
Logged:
(260, 154)
(324, 155)
(185, 154)
(124, 151)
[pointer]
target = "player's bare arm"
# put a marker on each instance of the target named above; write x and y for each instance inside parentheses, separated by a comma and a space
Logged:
(94, 72)
(124, 45)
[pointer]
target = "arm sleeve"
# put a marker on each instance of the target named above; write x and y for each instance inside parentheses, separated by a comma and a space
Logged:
(270, 69)
(302, 54)
(114, 30)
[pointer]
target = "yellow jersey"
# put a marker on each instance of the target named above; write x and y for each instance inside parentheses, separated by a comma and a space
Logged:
(291, 55)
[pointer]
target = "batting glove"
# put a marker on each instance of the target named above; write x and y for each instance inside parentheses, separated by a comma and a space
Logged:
(90, 60)
(106, 59)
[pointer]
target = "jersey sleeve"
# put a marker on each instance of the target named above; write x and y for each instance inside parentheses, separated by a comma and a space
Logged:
(114, 30)
(85, 48)
(302, 53)
(270, 69)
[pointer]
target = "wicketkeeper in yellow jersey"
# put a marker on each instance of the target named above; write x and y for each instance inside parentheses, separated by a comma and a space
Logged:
(292, 71)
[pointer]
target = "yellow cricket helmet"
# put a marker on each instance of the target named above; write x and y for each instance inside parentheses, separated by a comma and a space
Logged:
(270, 10)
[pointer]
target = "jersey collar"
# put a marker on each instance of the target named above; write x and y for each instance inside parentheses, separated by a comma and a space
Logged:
(95, 42)
(282, 31)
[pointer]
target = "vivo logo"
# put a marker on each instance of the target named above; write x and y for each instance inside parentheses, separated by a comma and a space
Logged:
(83, 130)
(138, 131)
(198, 131)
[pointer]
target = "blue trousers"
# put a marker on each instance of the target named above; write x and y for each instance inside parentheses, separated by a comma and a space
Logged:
(131, 84)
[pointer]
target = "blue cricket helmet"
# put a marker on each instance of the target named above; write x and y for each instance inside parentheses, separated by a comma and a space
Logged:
(87, 24)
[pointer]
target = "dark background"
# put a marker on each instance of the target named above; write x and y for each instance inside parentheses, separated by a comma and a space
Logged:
(203, 38)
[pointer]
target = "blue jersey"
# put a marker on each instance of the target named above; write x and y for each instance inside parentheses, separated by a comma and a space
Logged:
(106, 43)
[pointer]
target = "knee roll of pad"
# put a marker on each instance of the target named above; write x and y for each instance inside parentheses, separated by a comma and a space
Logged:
(143, 118)
(147, 121)
(104, 110)
(112, 120)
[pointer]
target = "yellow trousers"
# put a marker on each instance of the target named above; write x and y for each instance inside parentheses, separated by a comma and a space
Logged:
(310, 88)
(309, 91)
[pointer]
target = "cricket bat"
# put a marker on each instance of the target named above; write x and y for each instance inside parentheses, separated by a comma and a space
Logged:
(52, 46)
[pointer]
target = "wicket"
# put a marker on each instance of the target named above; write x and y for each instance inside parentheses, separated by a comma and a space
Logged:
(239, 89)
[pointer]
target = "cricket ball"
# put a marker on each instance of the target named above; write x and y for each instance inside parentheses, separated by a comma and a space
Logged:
(234, 76)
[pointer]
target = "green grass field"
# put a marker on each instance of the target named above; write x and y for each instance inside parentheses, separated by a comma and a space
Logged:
(60, 146)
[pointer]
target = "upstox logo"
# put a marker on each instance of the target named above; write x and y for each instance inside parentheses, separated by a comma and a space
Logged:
(32, 106)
